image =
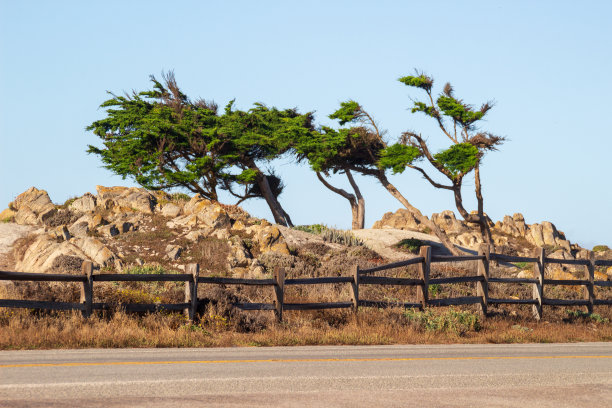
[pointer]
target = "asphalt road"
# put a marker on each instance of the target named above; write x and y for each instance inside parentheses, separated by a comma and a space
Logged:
(532, 375)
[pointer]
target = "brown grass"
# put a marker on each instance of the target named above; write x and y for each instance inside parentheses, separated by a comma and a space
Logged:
(26, 330)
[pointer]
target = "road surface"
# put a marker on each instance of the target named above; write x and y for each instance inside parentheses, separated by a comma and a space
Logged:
(531, 375)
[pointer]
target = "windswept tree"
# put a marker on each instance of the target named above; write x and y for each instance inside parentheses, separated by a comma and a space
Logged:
(457, 121)
(372, 156)
(164, 140)
(335, 151)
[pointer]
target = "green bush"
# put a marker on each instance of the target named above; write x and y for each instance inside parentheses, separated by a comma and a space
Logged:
(523, 265)
(316, 229)
(449, 321)
(600, 248)
(410, 244)
(578, 314)
(146, 270)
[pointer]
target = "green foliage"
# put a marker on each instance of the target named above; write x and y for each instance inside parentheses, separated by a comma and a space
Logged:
(146, 270)
(421, 81)
(449, 321)
(316, 229)
(180, 197)
(411, 244)
(601, 248)
(458, 111)
(397, 157)
(348, 112)
(578, 314)
(163, 140)
(434, 289)
(459, 158)
(422, 107)
(523, 265)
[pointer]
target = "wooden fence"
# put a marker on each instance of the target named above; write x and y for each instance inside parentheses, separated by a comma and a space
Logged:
(358, 277)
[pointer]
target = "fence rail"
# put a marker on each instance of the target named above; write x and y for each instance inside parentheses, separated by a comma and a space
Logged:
(482, 279)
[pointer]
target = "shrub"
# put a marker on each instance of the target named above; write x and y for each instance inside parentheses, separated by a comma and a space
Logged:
(146, 270)
(578, 314)
(522, 265)
(316, 229)
(601, 248)
(449, 321)
(410, 244)
(341, 237)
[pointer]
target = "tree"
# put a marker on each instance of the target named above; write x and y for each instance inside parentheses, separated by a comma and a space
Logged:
(458, 122)
(164, 140)
(372, 157)
(334, 151)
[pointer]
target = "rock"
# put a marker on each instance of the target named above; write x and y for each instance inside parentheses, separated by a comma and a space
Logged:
(95, 250)
(401, 219)
(42, 253)
(171, 210)
(560, 254)
(270, 239)
(173, 252)
(500, 241)
(34, 199)
(468, 240)
(239, 255)
(184, 221)
(126, 198)
(26, 217)
(534, 235)
(508, 226)
(207, 213)
(195, 235)
(124, 227)
(549, 233)
(519, 223)
(7, 215)
(79, 229)
(62, 233)
(448, 223)
(609, 273)
(108, 230)
(95, 221)
(84, 204)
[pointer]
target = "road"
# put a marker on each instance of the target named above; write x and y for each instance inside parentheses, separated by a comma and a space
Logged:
(529, 375)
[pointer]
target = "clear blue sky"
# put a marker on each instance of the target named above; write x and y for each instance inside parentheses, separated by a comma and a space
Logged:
(547, 65)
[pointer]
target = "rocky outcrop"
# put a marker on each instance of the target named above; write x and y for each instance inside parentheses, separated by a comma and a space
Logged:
(32, 207)
(124, 199)
(402, 219)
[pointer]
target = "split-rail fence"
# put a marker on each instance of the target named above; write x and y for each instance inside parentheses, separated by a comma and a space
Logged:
(356, 279)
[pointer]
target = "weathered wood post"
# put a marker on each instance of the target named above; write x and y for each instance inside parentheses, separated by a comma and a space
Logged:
(191, 291)
(87, 288)
(279, 291)
(589, 293)
(424, 268)
(482, 287)
(538, 288)
(355, 288)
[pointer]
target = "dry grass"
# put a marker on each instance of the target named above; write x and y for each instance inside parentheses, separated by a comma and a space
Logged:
(27, 330)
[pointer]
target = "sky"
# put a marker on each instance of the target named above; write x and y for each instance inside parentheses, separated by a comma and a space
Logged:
(546, 64)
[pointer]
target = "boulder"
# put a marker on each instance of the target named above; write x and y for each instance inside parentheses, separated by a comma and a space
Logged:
(519, 223)
(448, 223)
(79, 228)
(42, 253)
(270, 239)
(171, 210)
(108, 230)
(467, 240)
(35, 206)
(126, 198)
(95, 250)
(401, 219)
(84, 204)
(173, 252)
(239, 255)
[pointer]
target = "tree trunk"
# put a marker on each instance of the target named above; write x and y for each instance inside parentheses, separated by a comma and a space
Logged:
(485, 230)
(279, 214)
(357, 203)
(360, 202)
(417, 214)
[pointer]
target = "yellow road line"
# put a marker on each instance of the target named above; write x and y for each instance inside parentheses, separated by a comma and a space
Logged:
(294, 360)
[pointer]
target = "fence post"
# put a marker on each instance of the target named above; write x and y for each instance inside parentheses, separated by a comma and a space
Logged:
(355, 288)
(279, 291)
(538, 288)
(191, 291)
(87, 288)
(482, 287)
(424, 268)
(590, 276)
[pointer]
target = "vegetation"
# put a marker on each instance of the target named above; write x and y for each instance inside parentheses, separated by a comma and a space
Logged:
(164, 140)
(600, 248)
(458, 122)
(411, 244)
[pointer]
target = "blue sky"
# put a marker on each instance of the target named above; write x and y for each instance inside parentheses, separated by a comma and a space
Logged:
(547, 65)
